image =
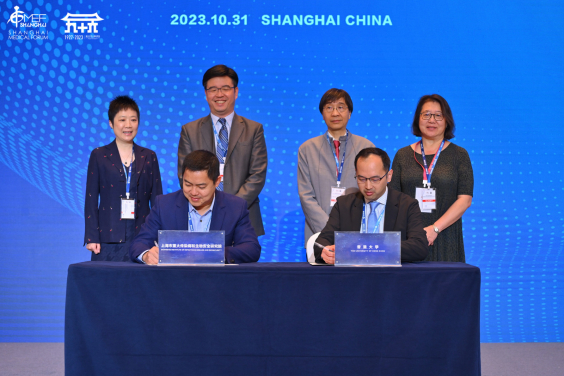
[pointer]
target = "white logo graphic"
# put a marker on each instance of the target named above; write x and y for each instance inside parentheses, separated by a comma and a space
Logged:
(27, 35)
(87, 22)
(21, 19)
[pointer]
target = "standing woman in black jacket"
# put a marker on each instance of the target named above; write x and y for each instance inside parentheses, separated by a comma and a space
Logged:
(123, 180)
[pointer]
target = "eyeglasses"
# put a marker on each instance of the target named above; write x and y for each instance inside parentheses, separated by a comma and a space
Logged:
(427, 116)
(224, 89)
(339, 108)
(373, 180)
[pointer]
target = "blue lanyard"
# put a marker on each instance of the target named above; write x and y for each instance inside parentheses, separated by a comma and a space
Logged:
(339, 168)
(128, 180)
(427, 172)
(191, 226)
(216, 135)
(365, 225)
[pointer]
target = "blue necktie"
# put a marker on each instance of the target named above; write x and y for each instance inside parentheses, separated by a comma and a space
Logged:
(221, 148)
(372, 217)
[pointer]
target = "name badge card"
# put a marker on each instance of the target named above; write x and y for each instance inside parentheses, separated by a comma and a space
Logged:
(127, 208)
(182, 247)
(221, 168)
(336, 192)
(427, 198)
(353, 248)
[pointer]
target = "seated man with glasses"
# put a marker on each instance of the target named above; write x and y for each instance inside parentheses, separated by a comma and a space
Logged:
(237, 142)
(325, 162)
(385, 210)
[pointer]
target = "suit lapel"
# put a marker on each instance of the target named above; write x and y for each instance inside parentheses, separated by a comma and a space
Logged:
(139, 161)
(218, 213)
(236, 131)
(207, 135)
(392, 210)
(356, 211)
(112, 154)
(181, 213)
(326, 158)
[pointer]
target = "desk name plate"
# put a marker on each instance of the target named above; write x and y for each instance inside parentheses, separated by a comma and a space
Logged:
(182, 247)
(353, 248)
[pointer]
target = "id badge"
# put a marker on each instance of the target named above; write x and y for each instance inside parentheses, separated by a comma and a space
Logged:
(127, 208)
(336, 192)
(427, 198)
(221, 167)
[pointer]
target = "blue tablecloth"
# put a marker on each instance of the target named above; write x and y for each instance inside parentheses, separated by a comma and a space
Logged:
(272, 319)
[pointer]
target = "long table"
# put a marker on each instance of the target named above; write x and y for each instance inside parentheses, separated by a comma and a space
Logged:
(272, 319)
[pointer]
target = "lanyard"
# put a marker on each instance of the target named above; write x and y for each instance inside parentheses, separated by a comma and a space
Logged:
(365, 224)
(216, 135)
(428, 171)
(128, 180)
(191, 226)
(339, 168)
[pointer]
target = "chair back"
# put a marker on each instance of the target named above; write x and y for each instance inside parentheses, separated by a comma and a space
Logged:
(309, 247)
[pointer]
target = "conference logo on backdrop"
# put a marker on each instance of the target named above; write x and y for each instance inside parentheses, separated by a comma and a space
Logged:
(27, 26)
(81, 26)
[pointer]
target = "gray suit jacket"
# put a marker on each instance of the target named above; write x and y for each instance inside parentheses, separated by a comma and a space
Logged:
(246, 161)
(316, 175)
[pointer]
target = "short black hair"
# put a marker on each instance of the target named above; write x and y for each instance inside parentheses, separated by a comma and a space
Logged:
(445, 109)
(365, 153)
(120, 103)
(332, 95)
(220, 71)
(202, 160)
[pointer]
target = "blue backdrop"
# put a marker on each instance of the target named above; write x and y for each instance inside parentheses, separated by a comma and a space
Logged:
(499, 64)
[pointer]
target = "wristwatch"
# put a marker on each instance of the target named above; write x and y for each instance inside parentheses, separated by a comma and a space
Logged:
(436, 229)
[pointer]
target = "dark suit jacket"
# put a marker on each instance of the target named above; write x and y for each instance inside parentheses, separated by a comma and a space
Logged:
(245, 170)
(106, 180)
(229, 214)
(402, 214)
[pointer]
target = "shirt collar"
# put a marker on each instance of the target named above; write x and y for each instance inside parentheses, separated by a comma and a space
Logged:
(228, 118)
(342, 138)
(384, 198)
(192, 209)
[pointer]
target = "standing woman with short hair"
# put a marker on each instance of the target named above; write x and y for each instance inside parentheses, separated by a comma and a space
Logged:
(125, 179)
(439, 175)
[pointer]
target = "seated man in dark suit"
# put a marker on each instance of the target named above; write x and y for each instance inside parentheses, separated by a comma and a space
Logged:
(207, 208)
(384, 210)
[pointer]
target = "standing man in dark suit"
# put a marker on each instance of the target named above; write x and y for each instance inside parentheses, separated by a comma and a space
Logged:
(199, 207)
(237, 142)
(384, 210)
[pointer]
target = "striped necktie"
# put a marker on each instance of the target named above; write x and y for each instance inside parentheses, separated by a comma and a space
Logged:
(221, 148)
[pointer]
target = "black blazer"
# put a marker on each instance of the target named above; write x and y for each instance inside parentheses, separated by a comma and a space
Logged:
(106, 180)
(402, 214)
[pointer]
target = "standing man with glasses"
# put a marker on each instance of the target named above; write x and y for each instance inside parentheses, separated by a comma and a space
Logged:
(325, 163)
(383, 209)
(237, 142)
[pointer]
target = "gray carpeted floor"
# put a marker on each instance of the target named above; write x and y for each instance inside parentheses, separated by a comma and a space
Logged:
(522, 359)
(37, 359)
(498, 359)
